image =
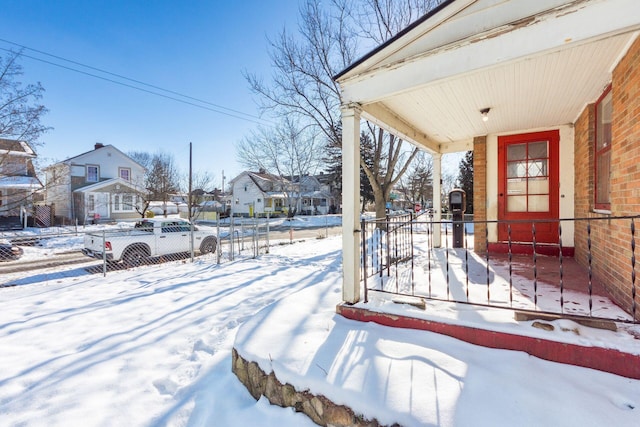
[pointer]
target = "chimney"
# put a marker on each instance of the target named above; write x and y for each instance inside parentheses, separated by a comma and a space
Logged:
(98, 145)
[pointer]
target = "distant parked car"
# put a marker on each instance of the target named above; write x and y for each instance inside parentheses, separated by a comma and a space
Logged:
(9, 252)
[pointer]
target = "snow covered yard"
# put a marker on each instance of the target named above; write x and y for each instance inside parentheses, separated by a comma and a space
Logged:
(149, 346)
(152, 347)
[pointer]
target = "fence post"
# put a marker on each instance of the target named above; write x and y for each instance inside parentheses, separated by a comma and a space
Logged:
(268, 231)
(104, 253)
(231, 235)
(218, 241)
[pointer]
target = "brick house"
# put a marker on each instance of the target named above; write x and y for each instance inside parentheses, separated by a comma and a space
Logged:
(545, 93)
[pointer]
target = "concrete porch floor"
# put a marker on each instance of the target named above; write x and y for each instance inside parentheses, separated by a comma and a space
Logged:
(461, 275)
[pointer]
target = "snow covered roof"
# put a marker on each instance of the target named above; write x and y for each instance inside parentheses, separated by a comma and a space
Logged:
(16, 148)
(24, 182)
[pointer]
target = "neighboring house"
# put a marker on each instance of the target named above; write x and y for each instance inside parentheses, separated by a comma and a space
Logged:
(315, 196)
(18, 181)
(103, 183)
(256, 193)
(547, 95)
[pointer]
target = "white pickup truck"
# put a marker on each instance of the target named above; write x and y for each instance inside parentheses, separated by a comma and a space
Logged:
(149, 238)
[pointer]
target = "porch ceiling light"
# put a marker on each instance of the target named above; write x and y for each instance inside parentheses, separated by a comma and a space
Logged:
(485, 114)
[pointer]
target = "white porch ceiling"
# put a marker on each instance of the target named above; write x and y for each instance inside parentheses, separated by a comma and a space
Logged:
(537, 92)
(531, 76)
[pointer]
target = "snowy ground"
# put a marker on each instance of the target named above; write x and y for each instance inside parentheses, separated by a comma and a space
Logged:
(152, 347)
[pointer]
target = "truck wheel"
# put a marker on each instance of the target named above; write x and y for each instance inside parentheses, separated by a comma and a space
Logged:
(134, 257)
(208, 245)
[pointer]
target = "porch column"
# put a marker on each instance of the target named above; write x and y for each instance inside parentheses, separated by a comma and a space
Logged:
(479, 193)
(350, 203)
(437, 201)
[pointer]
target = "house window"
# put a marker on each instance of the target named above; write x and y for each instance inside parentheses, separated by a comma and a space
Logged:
(125, 173)
(127, 202)
(604, 119)
(91, 203)
(92, 173)
(123, 203)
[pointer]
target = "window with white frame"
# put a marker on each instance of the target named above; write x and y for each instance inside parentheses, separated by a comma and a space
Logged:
(125, 173)
(91, 203)
(124, 202)
(604, 119)
(93, 173)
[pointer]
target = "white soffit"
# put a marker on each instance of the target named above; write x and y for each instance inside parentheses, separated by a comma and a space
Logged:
(535, 92)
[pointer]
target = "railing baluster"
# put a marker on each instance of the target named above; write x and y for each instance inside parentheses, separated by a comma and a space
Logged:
(430, 248)
(633, 269)
(535, 267)
(466, 261)
(561, 271)
(446, 251)
(363, 228)
(413, 290)
(387, 225)
(590, 268)
(486, 254)
(510, 266)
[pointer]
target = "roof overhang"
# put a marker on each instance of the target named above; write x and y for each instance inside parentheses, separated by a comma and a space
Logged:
(534, 64)
(102, 185)
(20, 182)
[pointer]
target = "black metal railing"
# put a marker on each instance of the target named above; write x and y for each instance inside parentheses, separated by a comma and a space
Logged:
(399, 257)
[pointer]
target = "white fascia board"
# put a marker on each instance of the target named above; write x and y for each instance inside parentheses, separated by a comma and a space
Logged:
(587, 21)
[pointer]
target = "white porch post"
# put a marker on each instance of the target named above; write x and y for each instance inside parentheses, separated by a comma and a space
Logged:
(350, 203)
(437, 201)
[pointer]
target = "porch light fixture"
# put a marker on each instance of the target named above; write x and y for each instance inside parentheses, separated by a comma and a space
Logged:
(485, 114)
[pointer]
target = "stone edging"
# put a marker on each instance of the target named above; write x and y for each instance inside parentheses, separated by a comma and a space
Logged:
(321, 410)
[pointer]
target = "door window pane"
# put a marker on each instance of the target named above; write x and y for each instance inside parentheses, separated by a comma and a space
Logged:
(538, 150)
(516, 152)
(517, 203)
(538, 204)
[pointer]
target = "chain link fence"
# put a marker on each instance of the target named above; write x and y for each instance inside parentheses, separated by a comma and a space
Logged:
(28, 255)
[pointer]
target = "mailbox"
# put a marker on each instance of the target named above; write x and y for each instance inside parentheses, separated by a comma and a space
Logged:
(457, 207)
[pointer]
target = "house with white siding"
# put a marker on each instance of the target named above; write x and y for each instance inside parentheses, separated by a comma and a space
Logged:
(101, 184)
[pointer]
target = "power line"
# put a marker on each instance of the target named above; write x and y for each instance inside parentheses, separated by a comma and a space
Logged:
(229, 111)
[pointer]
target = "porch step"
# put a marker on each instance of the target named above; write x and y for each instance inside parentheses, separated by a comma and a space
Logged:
(600, 358)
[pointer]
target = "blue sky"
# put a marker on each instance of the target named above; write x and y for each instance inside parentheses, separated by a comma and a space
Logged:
(197, 48)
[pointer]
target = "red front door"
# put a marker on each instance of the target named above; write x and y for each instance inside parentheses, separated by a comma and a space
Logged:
(528, 186)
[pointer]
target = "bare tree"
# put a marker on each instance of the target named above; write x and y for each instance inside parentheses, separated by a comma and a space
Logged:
(20, 111)
(162, 178)
(202, 183)
(20, 114)
(328, 40)
(287, 151)
(417, 184)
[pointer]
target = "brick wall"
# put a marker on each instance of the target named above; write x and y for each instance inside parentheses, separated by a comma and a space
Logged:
(610, 239)
(480, 193)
